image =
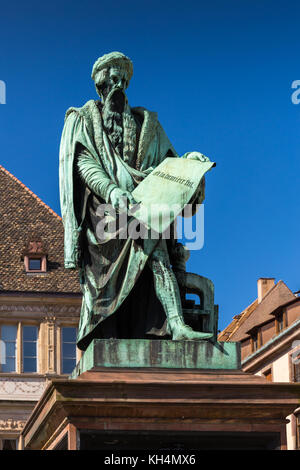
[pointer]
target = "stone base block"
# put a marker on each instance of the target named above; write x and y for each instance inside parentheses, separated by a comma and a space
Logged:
(139, 353)
(113, 409)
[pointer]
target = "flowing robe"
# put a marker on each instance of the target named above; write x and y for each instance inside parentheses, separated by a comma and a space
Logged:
(112, 274)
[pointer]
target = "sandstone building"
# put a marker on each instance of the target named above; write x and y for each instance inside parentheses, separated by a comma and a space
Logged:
(269, 332)
(39, 305)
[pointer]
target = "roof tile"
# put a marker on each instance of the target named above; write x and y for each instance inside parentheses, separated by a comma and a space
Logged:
(21, 214)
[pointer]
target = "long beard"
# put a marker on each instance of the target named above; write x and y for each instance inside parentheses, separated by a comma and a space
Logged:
(113, 125)
(130, 143)
(121, 129)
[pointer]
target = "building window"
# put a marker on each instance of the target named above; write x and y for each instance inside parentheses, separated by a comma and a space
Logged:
(34, 264)
(30, 334)
(256, 340)
(35, 256)
(298, 432)
(297, 370)
(69, 335)
(8, 335)
(37, 264)
(295, 365)
(268, 375)
(280, 322)
(8, 444)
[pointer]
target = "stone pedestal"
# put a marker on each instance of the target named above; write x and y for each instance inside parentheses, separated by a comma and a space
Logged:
(168, 354)
(146, 407)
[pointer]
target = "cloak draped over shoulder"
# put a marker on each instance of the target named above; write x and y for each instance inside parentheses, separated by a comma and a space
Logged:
(109, 270)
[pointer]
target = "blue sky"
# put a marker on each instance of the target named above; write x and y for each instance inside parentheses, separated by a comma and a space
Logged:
(218, 73)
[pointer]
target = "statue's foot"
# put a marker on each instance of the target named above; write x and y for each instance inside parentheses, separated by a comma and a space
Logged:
(180, 331)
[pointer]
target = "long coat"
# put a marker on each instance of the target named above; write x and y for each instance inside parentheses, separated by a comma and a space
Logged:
(112, 274)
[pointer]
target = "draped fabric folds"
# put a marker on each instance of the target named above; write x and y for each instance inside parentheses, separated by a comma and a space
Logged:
(110, 272)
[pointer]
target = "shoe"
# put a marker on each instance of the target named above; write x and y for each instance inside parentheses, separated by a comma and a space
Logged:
(180, 331)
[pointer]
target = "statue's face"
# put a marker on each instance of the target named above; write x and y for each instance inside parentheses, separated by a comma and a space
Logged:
(117, 78)
(113, 86)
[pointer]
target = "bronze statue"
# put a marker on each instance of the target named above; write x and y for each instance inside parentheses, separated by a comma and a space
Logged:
(107, 148)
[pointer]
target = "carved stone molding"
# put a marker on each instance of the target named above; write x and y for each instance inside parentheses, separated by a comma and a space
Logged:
(45, 309)
(49, 319)
(11, 424)
(21, 389)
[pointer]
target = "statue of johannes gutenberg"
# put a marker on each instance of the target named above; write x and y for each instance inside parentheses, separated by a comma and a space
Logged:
(107, 148)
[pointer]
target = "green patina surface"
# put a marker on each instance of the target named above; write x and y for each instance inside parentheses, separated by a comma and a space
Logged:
(112, 154)
(170, 354)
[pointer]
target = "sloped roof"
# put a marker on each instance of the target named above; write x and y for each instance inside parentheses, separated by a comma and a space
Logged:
(237, 321)
(257, 313)
(23, 213)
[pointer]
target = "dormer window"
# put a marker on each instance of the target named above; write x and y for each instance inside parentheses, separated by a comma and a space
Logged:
(35, 264)
(256, 340)
(35, 257)
(280, 322)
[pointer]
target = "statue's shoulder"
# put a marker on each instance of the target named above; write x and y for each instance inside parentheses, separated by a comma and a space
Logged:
(148, 118)
(86, 111)
(144, 114)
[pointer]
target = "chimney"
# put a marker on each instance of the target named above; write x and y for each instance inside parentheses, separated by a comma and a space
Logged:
(264, 284)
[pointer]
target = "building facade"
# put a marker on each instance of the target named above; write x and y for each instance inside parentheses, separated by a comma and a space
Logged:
(269, 332)
(40, 308)
(39, 305)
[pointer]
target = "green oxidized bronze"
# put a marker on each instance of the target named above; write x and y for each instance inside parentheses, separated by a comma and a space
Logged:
(132, 288)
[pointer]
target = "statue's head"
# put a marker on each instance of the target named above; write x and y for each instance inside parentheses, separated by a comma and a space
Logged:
(112, 73)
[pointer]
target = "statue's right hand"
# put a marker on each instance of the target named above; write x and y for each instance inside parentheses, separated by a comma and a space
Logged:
(121, 199)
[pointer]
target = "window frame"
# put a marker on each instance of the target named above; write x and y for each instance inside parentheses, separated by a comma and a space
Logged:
(19, 369)
(292, 364)
(292, 374)
(280, 321)
(256, 340)
(37, 326)
(267, 372)
(295, 374)
(16, 341)
(297, 430)
(9, 438)
(60, 371)
(41, 257)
